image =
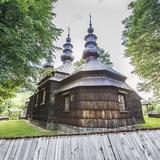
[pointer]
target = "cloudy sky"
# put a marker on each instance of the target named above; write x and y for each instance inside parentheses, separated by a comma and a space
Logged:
(107, 16)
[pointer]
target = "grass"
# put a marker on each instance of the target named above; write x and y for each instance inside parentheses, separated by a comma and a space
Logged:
(15, 128)
(150, 123)
(20, 128)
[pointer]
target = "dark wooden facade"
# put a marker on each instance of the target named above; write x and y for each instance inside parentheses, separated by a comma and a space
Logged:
(92, 96)
(98, 107)
(39, 111)
(89, 106)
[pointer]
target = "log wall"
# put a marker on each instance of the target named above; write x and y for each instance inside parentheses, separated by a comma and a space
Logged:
(98, 107)
(41, 113)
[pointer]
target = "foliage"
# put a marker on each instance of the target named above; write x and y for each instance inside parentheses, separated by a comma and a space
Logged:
(104, 58)
(14, 115)
(150, 123)
(27, 34)
(142, 41)
(17, 102)
(21, 128)
(79, 63)
(157, 108)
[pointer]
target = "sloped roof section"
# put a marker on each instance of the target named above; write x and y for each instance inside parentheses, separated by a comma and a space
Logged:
(95, 65)
(66, 67)
(130, 145)
(94, 81)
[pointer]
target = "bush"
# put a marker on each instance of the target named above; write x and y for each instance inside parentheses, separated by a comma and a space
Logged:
(14, 115)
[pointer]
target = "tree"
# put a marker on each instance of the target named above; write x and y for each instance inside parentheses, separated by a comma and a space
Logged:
(79, 63)
(104, 58)
(27, 33)
(142, 41)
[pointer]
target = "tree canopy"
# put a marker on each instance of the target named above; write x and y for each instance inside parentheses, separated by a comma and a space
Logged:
(104, 58)
(27, 34)
(142, 41)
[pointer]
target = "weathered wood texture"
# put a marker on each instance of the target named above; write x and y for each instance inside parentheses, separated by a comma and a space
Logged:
(139, 145)
(41, 112)
(98, 107)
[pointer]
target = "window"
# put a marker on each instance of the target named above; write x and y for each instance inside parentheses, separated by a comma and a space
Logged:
(66, 103)
(36, 99)
(72, 98)
(43, 96)
(121, 100)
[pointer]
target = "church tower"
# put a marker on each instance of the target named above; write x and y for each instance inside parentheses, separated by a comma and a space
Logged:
(67, 51)
(90, 52)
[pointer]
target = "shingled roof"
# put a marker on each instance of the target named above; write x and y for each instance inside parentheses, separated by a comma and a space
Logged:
(94, 81)
(107, 77)
(95, 65)
(67, 68)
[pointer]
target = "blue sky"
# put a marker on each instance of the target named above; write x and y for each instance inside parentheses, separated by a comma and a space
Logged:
(107, 16)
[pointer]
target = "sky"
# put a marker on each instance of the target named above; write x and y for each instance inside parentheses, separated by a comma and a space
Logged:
(107, 16)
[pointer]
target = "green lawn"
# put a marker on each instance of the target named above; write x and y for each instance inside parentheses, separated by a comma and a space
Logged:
(150, 123)
(15, 128)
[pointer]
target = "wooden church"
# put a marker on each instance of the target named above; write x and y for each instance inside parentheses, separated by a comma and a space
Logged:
(91, 96)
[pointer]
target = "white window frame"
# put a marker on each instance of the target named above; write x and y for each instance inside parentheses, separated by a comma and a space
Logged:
(66, 103)
(72, 98)
(121, 102)
(36, 99)
(43, 96)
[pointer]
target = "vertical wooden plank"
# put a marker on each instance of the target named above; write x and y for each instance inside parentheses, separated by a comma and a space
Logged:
(4, 149)
(19, 149)
(58, 148)
(51, 148)
(147, 142)
(107, 147)
(14, 149)
(43, 148)
(140, 146)
(116, 147)
(28, 148)
(9, 149)
(132, 147)
(37, 149)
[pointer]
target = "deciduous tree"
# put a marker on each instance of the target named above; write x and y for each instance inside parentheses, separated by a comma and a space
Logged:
(104, 58)
(142, 41)
(27, 34)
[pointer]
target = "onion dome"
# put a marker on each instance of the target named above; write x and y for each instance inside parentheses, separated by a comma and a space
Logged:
(49, 62)
(90, 51)
(67, 51)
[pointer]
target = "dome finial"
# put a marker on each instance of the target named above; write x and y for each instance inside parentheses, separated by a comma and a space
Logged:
(67, 51)
(90, 51)
(90, 17)
(69, 31)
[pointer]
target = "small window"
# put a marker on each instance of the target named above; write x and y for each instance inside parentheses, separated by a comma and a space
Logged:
(67, 104)
(43, 96)
(36, 99)
(72, 98)
(121, 100)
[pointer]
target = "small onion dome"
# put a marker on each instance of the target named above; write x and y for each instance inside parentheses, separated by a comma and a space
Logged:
(67, 51)
(90, 45)
(49, 63)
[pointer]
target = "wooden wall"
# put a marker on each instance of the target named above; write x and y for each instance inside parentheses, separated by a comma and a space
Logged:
(41, 112)
(98, 107)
